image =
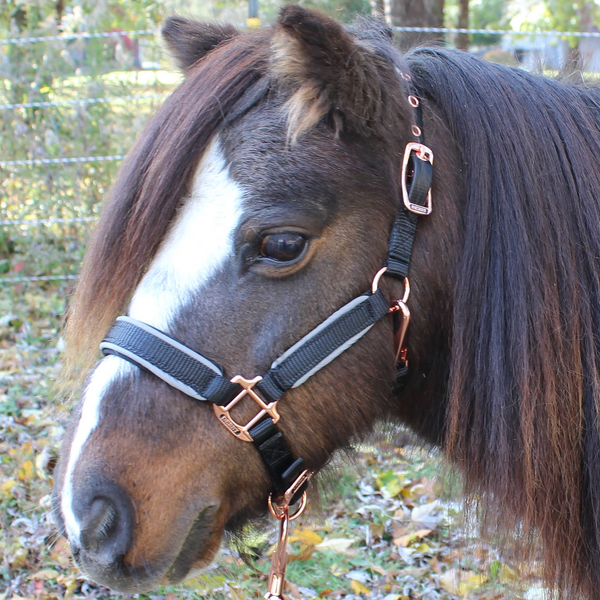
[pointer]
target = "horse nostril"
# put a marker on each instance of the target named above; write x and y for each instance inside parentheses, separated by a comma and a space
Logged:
(102, 518)
(106, 528)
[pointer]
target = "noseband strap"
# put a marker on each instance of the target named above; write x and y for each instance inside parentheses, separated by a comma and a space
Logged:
(168, 359)
(203, 380)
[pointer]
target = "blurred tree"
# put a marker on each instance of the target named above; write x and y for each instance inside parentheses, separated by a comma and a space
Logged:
(418, 13)
(483, 14)
(487, 14)
(463, 23)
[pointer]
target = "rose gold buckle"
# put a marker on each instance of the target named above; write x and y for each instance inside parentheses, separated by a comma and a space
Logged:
(426, 154)
(223, 412)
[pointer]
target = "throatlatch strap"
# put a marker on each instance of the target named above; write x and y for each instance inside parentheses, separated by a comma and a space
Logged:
(168, 359)
(323, 344)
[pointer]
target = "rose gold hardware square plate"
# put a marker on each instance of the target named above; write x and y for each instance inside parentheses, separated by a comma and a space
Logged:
(423, 153)
(223, 412)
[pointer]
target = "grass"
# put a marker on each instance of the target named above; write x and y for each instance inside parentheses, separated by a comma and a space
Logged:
(360, 540)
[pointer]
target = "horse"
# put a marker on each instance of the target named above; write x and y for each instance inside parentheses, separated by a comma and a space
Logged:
(258, 203)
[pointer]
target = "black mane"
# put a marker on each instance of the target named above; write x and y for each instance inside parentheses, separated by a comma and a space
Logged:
(525, 382)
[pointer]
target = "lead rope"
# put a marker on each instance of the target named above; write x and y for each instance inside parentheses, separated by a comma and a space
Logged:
(280, 509)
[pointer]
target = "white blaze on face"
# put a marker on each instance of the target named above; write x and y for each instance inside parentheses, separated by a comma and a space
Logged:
(196, 246)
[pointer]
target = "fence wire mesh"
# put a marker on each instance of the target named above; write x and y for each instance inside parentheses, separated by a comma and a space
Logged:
(78, 36)
(62, 163)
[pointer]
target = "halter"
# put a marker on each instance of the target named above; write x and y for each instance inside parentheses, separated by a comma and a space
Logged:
(203, 380)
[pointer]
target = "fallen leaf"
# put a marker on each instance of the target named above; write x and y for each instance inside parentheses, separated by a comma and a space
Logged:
(406, 540)
(507, 575)
(19, 559)
(336, 570)
(45, 574)
(292, 590)
(399, 530)
(377, 530)
(359, 588)
(358, 575)
(305, 552)
(7, 486)
(27, 471)
(390, 483)
(306, 536)
(426, 514)
(462, 583)
(335, 544)
(379, 570)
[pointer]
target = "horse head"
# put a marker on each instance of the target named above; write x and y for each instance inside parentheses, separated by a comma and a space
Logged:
(258, 202)
(256, 210)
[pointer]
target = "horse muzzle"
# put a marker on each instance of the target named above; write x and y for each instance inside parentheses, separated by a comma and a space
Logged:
(105, 549)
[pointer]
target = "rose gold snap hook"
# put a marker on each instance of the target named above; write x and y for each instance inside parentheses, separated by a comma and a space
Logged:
(283, 511)
(399, 304)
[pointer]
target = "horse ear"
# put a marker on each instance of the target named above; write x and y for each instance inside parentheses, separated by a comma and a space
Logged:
(331, 72)
(188, 40)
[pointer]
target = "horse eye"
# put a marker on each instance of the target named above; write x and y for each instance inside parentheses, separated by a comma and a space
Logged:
(283, 247)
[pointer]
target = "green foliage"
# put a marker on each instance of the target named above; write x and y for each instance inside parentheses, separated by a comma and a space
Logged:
(556, 15)
(483, 14)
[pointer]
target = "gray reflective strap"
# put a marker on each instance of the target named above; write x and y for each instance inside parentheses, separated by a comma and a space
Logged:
(323, 344)
(168, 359)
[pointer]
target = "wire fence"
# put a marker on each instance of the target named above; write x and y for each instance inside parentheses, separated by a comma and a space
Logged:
(57, 161)
(69, 114)
(78, 36)
(508, 32)
(82, 102)
(44, 196)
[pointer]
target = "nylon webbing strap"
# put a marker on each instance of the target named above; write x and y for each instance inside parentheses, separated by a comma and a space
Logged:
(323, 344)
(405, 225)
(401, 242)
(171, 361)
(201, 379)
(281, 466)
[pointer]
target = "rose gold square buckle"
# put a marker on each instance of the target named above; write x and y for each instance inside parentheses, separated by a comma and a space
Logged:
(223, 412)
(423, 153)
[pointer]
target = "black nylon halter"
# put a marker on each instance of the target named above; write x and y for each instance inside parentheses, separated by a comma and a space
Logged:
(203, 380)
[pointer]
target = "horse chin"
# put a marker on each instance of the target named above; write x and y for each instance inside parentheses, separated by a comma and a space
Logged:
(199, 547)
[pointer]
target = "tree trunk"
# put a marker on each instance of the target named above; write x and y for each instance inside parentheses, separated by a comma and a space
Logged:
(418, 13)
(462, 42)
(573, 66)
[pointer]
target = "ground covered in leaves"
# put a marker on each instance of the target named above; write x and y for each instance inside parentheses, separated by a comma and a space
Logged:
(389, 523)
